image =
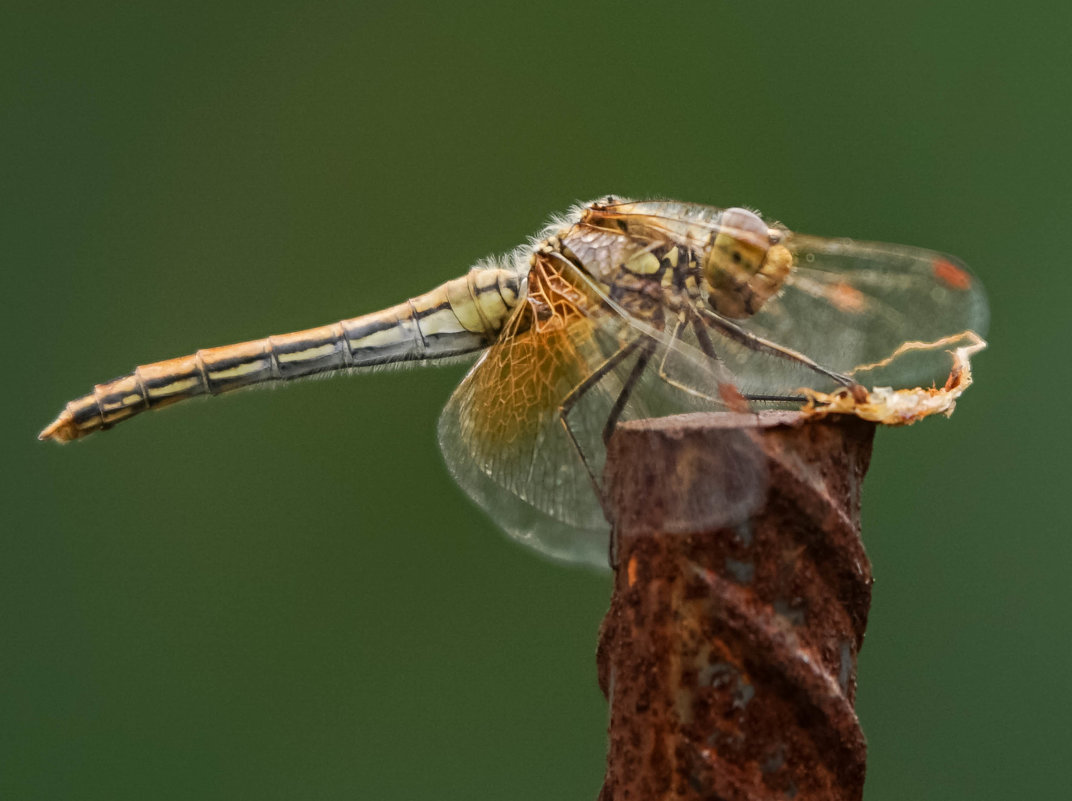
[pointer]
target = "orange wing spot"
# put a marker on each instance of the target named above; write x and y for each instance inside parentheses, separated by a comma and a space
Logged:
(631, 570)
(846, 298)
(951, 275)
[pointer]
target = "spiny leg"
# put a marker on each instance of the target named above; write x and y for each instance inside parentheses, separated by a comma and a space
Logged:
(674, 336)
(776, 398)
(727, 390)
(612, 420)
(578, 392)
(758, 343)
(708, 347)
(627, 389)
(728, 393)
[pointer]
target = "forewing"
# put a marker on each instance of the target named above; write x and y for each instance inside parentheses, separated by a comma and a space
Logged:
(854, 307)
(884, 314)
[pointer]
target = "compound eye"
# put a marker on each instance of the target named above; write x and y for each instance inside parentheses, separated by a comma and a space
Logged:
(741, 243)
(746, 227)
(744, 266)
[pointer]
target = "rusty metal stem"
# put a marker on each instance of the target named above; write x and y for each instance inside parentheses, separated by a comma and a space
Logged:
(728, 656)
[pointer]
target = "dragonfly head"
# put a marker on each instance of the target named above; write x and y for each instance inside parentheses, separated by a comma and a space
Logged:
(744, 266)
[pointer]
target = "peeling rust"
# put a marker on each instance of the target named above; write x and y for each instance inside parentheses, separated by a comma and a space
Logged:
(729, 656)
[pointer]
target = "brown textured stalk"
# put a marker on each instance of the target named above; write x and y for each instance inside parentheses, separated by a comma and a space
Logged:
(729, 656)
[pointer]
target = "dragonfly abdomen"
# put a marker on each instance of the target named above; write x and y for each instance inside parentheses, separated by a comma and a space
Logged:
(455, 318)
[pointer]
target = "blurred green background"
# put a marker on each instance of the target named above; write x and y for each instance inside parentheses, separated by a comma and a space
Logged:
(282, 594)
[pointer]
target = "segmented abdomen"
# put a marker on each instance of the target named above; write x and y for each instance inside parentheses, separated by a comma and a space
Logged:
(458, 317)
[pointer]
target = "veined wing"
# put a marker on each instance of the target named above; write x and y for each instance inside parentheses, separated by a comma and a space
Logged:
(883, 314)
(503, 438)
(856, 307)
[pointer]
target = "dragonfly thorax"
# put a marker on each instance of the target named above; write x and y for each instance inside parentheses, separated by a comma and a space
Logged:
(742, 267)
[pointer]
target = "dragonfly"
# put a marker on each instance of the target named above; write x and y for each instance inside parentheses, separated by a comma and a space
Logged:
(617, 310)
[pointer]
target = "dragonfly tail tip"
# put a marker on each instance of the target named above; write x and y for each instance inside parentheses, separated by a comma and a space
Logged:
(59, 430)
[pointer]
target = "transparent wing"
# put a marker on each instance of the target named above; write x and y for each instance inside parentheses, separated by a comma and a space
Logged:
(502, 434)
(854, 307)
(888, 315)
(502, 442)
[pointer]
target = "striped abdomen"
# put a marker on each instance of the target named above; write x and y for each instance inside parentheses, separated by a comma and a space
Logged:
(458, 317)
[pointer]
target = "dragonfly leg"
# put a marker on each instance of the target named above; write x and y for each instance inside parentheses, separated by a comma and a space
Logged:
(627, 389)
(672, 382)
(578, 392)
(612, 420)
(727, 390)
(729, 395)
(758, 343)
(776, 398)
